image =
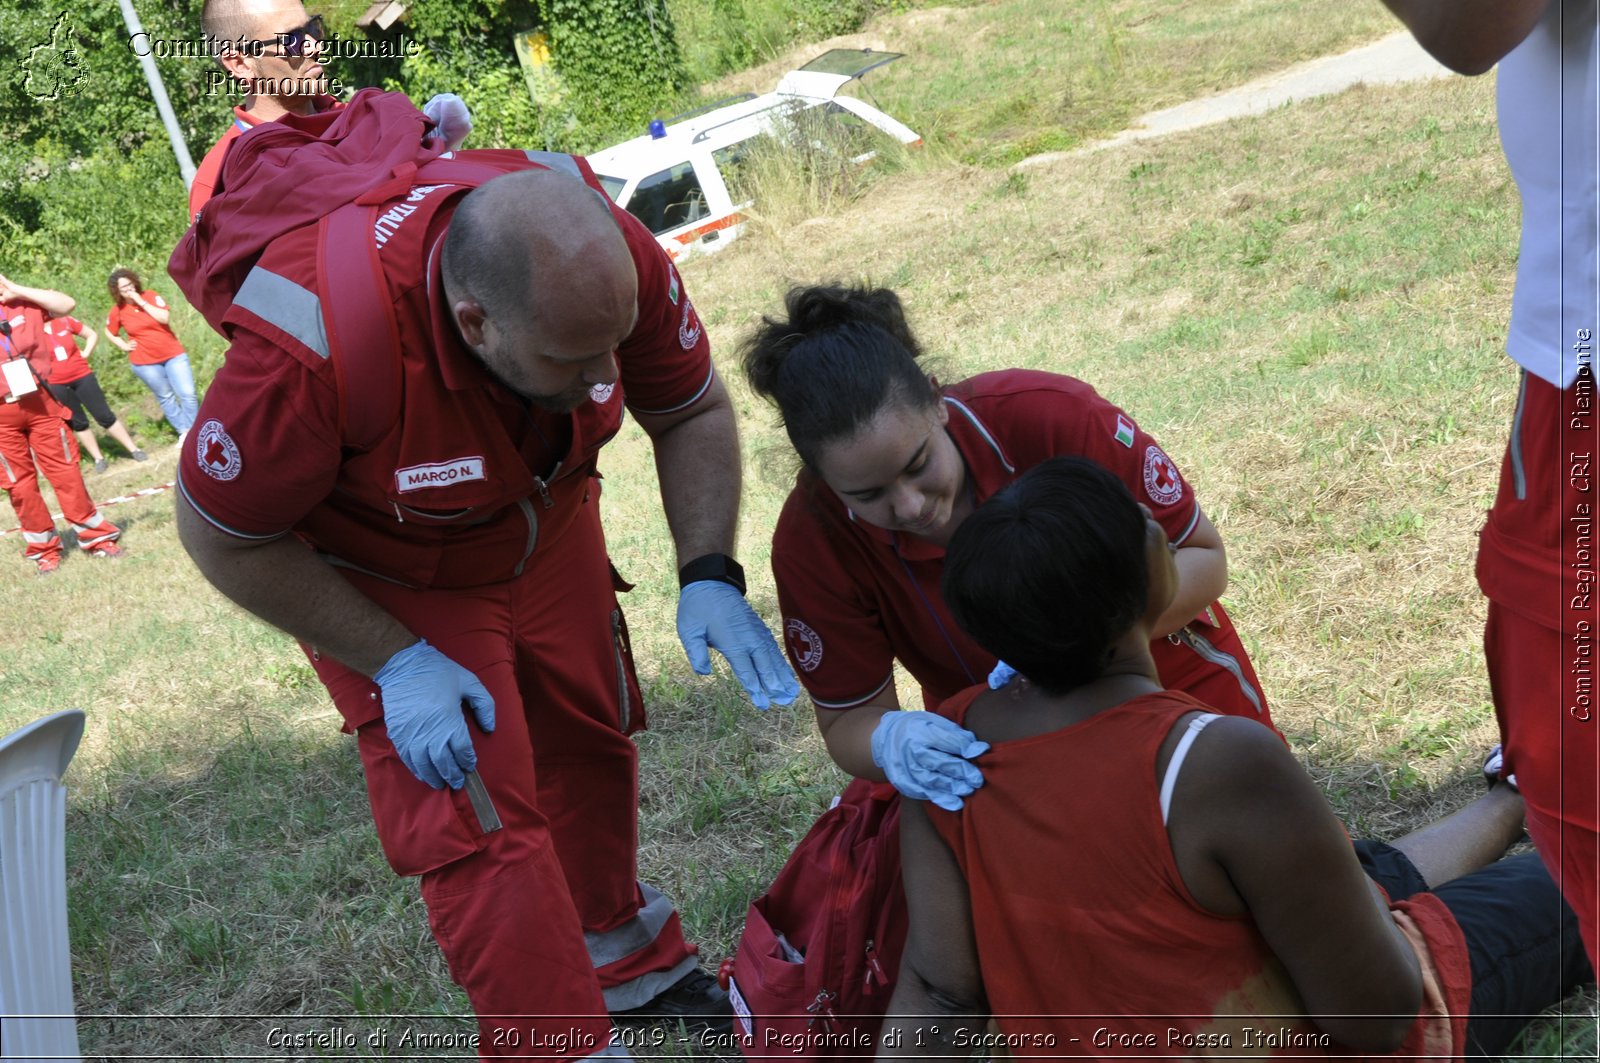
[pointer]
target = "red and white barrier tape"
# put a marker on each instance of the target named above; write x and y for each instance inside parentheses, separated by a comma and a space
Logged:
(141, 493)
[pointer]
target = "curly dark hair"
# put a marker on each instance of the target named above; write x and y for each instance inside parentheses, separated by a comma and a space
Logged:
(116, 276)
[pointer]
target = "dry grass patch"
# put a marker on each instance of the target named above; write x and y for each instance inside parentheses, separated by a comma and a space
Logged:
(1306, 308)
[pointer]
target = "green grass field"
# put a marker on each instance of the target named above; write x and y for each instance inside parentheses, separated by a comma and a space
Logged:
(1306, 308)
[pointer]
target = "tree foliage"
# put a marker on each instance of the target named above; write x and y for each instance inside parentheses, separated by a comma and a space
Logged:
(87, 177)
(618, 59)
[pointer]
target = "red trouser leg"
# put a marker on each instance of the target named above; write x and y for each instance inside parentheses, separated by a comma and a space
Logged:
(535, 918)
(55, 449)
(21, 482)
(577, 676)
(1551, 746)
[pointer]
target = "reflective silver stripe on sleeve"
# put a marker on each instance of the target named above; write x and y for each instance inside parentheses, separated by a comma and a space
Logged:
(698, 395)
(556, 161)
(1194, 521)
(853, 702)
(217, 524)
(280, 301)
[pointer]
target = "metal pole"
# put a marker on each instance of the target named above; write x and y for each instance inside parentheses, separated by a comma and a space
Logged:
(159, 91)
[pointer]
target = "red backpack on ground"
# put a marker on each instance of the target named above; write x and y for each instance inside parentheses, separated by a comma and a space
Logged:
(816, 964)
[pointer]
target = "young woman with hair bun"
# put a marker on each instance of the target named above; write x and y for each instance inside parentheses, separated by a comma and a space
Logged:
(893, 463)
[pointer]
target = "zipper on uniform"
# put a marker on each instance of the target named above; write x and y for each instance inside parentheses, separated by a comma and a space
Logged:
(544, 486)
(874, 973)
(1208, 652)
(821, 1008)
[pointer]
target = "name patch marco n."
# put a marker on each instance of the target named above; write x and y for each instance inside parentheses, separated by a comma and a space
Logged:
(439, 474)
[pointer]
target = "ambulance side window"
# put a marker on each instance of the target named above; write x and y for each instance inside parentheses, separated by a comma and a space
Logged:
(669, 200)
(735, 174)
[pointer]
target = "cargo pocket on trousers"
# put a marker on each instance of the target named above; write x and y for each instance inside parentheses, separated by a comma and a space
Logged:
(421, 829)
(630, 701)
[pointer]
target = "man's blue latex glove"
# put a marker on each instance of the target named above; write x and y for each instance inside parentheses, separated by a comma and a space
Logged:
(422, 695)
(712, 613)
(450, 117)
(924, 756)
(1003, 673)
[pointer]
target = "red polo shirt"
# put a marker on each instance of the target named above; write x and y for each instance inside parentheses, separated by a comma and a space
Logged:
(471, 479)
(855, 597)
(57, 357)
(154, 342)
(27, 331)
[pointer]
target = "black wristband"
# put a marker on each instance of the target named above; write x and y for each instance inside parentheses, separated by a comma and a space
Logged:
(719, 567)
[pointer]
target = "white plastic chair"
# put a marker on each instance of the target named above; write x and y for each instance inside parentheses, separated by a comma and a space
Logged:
(35, 962)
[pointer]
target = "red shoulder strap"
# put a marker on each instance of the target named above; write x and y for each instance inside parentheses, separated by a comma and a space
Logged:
(363, 338)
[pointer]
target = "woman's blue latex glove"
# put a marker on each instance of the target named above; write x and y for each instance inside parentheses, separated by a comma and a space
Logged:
(712, 613)
(422, 695)
(924, 756)
(1003, 673)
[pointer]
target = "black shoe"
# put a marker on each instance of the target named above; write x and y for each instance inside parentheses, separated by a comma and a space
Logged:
(695, 999)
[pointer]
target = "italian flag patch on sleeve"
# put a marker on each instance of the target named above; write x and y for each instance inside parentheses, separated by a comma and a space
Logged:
(1124, 431)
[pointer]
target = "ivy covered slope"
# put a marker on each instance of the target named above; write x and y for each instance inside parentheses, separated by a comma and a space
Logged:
(88, 179)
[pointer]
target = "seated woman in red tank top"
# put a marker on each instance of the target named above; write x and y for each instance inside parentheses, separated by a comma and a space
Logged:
(1141, 877)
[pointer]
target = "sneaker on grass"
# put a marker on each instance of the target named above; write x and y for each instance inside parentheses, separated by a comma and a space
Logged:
(100, 464)
(1494, 766)
(139, 455)
(48, 565)
(695, 999)
(110, 551)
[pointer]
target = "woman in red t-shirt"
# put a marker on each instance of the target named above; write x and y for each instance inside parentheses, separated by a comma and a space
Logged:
(154, 353)
(65, 370)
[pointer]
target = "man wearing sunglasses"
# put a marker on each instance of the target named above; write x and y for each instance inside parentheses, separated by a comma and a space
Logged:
(272, 48)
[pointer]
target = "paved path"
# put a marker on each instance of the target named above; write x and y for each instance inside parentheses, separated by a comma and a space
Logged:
(1393, 59)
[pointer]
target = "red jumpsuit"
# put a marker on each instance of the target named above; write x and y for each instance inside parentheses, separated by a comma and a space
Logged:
(856, 597)
(33, 428)
(475, 522)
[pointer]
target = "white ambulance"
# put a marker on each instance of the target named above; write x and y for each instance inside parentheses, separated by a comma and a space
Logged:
(673, 178)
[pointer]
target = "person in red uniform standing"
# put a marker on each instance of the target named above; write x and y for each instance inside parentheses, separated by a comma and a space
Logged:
(460, 556)
(1536, 553)
(65, 371)
(1186, 889)
(893, 464)
(155, 354)
(33, 429)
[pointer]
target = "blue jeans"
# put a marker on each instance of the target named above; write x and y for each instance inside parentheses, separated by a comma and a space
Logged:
(172, 383)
